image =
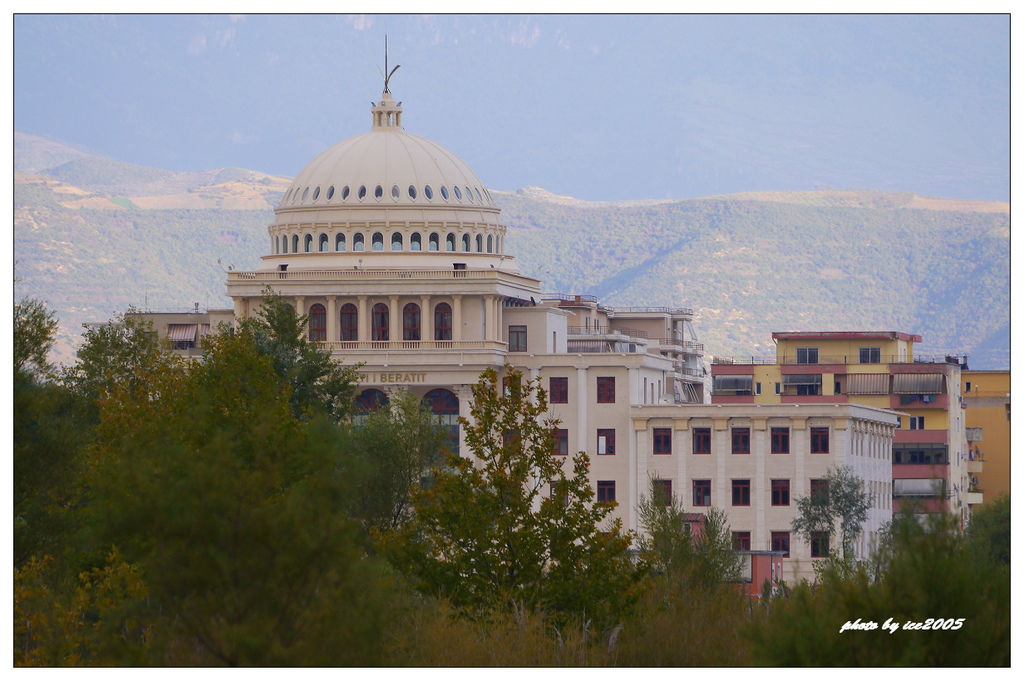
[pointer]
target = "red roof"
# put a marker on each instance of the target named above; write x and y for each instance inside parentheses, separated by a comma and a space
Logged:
(845, 335)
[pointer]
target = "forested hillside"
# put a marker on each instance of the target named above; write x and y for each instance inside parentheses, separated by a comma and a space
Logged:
(94, 235)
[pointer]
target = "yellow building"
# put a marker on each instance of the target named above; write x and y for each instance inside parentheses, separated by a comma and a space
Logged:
(986, 396)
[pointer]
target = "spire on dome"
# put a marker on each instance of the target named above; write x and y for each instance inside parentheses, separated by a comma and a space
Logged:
(387, 114)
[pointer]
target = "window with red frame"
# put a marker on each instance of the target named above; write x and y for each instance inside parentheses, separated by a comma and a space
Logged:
(780, 440)
(741, 492)
(780, 492)
(741, 440)
(605, 491)
(605, 389)
(317, 323)
(662, 440)
(379, 322)
(819, 544)
(561, 438)
(349, 322)
(819, 440)
(442, 321)
(517, 338)
(701, 492)
(819, 491)
(411, 322)
(780, 542)
(701, 440)
(740, 541)
(558, 390)
(661, 491)
(605, 440)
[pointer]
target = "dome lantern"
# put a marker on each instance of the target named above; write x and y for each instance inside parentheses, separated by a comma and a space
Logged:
(387, 115)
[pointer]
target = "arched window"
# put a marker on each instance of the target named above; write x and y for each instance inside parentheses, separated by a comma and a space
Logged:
(339, 242)
(284, 244)
(324, 243)
(357, 242)
(277, 245)
(411, 322)
(449, 242)
(443, 322)
(295, 243)
(369, 400)
(490, 243)
(378, 241)
(308, 243)
(465, 243)
(379, 319)
(444, 405)
(396, 241)
(349, 322)
(317, 323)
(479, 243)
(414, 242)
(434, 242)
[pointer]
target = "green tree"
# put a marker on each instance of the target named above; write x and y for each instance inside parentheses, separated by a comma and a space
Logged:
(843, 501)
(512, 528)
(989, 531)
(34, 329)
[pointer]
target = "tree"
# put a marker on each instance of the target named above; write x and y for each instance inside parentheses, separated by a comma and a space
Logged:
(34, 328)
(843, 500)
(512, 528)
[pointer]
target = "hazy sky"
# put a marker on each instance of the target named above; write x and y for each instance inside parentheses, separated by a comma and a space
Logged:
(597, 107)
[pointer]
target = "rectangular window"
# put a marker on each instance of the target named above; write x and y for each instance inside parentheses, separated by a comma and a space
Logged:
(807, 355)
(561, 437)
(870, 355)
(605, 389)
(968, 387)
(819, 491)
(740, 541)
(605, 440)
(701, 440)
(701, 492)
(819, 544)
(778, 388)
(558, 390)
(517, 339)
(917, 423)
(662, 440)
(757, 388)
(780, 440)
(741, 492)
(819, 440)
(661, 490)
(605, 491)
(780, 542)
(741, 440)
(780, 492)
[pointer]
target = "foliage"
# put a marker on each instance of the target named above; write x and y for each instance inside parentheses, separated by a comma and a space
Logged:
(316, 382)
(34, 328)
(989, 531)
(486, 536)
(844, 503)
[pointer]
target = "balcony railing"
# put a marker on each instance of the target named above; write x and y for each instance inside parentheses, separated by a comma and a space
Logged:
(569, 297)
(361, 274)
(389, 346)
(834, 359)
(655, 308)
(606, 331)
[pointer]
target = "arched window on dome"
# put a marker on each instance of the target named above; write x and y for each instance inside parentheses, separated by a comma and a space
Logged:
(394, 192)
(434, 243)
(378, 192)
(444, 405)
(307, 243)
(325, 243)
(396, 241)
(414, 242)
(362, 192)
(349, 322)
(443, 322)
(411, 322)
(479, 243)
(379, 318)
(295, 243)
(490, 243)
(339, 242)
(458, 192)
(357, 242)
(277, 245)
(284, 244)
(368, 401)
(469, 195)
(449, 242)
(317, 323)
(377, 242)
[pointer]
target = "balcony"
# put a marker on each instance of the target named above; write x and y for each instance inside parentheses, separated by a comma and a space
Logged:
(975, 466)
(404, 345)
(688, 311)
(358, 274)
(974, 498)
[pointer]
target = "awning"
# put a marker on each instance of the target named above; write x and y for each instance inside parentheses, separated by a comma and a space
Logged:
(801, 379)
(733, 382)
(181, 332)
(204, 330)
(917, 384)
(867, 384)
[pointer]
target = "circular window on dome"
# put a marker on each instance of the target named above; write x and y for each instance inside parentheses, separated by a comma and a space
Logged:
(444, 192)
(394, 192)
(469, 195)
(428, 192)
(378, 192)
(458, 194)
(316, 193)
(330, 192)
(295, 195)
(362, 192)
(412, 192)
(478, 194)
(344, 192)
(305, 194)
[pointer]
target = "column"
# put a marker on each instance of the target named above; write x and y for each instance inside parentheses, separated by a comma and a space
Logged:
(394, 320)
(364, 320)
(457, 317)
(488, 318)
(426, 319)
(332, 319)
(241, 308)
(300, 305)
(498, 317)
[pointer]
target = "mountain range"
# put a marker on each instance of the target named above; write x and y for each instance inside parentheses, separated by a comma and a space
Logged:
(94, 235)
